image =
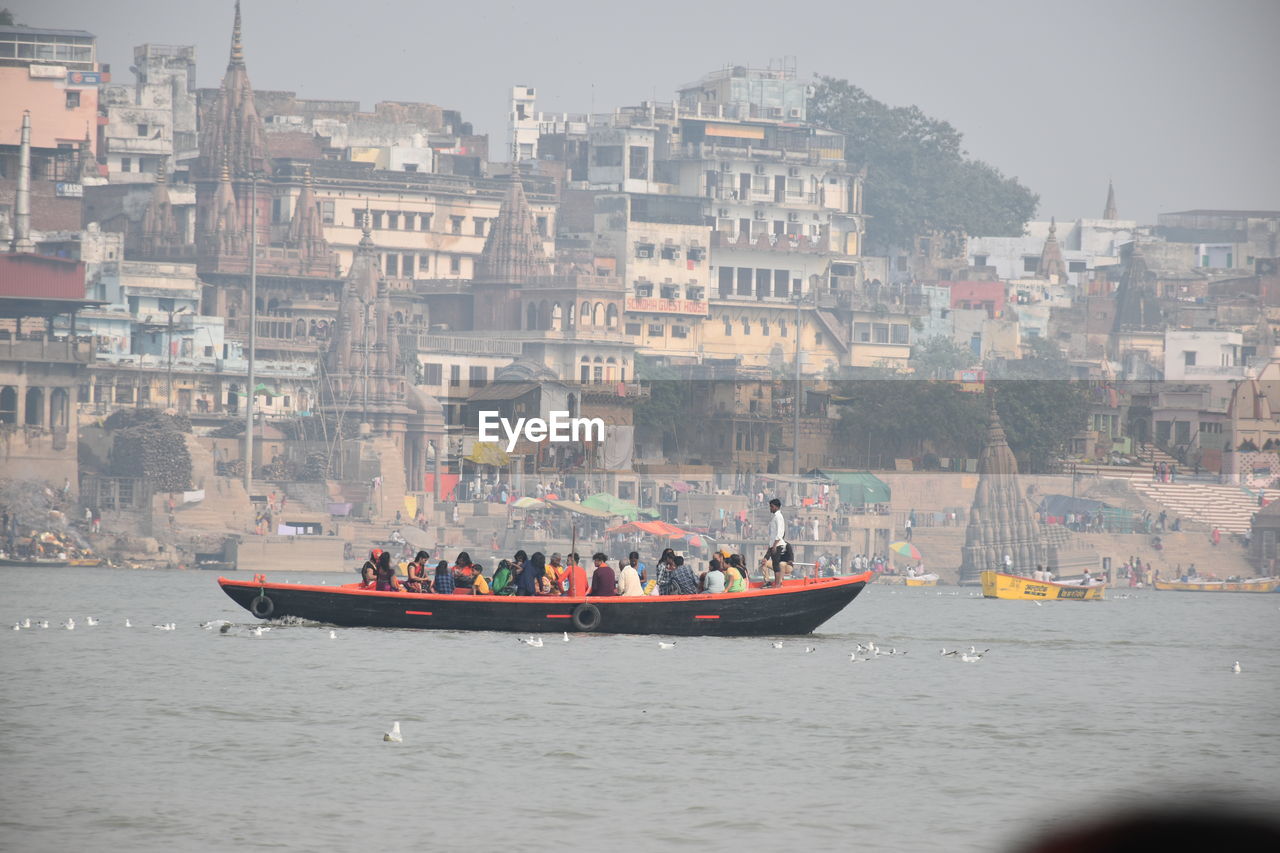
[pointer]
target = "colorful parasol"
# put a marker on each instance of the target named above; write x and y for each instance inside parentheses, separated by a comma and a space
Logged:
(905, 549)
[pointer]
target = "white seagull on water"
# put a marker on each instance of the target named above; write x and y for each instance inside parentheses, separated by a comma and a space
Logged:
(536, 642)
(663, 645)
(70, 624)
(777, 644)
(1236, 667)
(91, 621)
(566, 636)
(393, 736)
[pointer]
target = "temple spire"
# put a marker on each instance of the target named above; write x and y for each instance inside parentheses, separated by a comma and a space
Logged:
(1109, 212)
(513, 251)
(1051, 264)
(237, 46)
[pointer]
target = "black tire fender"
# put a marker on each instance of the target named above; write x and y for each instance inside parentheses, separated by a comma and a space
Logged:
(586, 617)
(262, 606)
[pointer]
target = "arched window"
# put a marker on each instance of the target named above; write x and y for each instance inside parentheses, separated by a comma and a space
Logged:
(557, 317)
(573, 313)
(531, 321)
(35, 407)
(59, 409)
(300, 329)
(586, 314)
(585, 370)
(597, 319)
(8, 405)
(611, 316)
(746, 325)
(544, 315)
(728, 326)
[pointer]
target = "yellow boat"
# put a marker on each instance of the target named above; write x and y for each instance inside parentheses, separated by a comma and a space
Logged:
(921, 580)
(1000, 585)
(85, 561)
(1254, 585)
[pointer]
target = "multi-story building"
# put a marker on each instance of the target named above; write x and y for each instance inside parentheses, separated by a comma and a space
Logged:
(151, 128)
(52, 76)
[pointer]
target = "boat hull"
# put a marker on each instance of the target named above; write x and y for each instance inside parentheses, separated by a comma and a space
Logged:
(799, 607)
(1017, 588)
(1256, 585)
(926, 580)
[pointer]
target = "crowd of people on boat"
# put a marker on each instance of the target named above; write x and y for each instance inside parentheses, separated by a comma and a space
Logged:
(540, 575)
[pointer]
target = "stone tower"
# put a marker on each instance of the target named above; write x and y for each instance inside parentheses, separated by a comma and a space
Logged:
(1109, 212)
(1000, 520)
(1051, 265)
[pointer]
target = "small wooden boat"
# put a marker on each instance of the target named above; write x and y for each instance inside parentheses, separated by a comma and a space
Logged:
(1202, 585)
(85, 561)
(34, 562)
(797, 607)
(1018, 588)
(921, 580)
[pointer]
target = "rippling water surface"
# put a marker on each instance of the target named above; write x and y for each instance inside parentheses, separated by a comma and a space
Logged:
(141, 739)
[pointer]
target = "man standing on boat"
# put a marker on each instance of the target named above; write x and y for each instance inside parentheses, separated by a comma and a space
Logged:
(779, 549)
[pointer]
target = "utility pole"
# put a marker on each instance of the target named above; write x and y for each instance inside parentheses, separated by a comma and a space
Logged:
(253, 332)
(795, 435)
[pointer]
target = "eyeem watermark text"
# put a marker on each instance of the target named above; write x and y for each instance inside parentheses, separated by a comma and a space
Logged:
(559, 428)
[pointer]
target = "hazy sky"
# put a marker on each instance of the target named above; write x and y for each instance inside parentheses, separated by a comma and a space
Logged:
(1175, 100)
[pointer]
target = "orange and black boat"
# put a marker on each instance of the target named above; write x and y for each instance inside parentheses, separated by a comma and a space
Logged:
(798, 607)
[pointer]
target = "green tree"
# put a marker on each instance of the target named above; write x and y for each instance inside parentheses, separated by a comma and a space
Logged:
(6, 18)
(1044, 359)
(939, 357)
(1039, 416)
(919, 178)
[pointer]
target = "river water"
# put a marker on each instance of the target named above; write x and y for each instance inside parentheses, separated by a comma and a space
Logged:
(140, 739)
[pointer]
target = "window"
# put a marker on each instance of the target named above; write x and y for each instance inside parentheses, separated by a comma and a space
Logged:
(639, 165)
(408, 221)
(480, 221)
(979, 260)
(671, 253)
(1075, 266)
(764, 328)
(455, 375)
(1030, 263)
(1189, 358)
(782, 328)
(901, 333)
(391, 265)
(126, 164)
(73, 98)
(377, 220)
(433, 374)
(455, 224)
(393, 221)
(644, 250)
(746, 326)
(358, 218)
(679, 331)
(455, 265)
(606, 155)
(880, 333)
(424, 222)
(670, 291)
(142, 130)
(542, 226)
(478, 376)
(632, 329)
(657, 330)
(697, 253)
(406, 266)
(728, 327)
(326, 211)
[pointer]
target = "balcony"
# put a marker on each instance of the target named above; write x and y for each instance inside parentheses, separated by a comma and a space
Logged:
(35, 348)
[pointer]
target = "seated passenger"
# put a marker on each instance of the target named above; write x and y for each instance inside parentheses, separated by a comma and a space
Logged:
(386, 574)
(443, 584)
(573, 581)
(504, 580)
(713, 581)
(603, 581)
(629, 579)
(463, 572)
(369, 571)
(682, 579)
(527, 576)
(418, 580)
(480, 585)
(735, 576)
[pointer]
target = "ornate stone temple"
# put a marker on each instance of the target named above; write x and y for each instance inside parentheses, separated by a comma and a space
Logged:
(1000, 520)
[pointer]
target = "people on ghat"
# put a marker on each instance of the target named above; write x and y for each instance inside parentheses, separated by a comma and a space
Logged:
(603, 581)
